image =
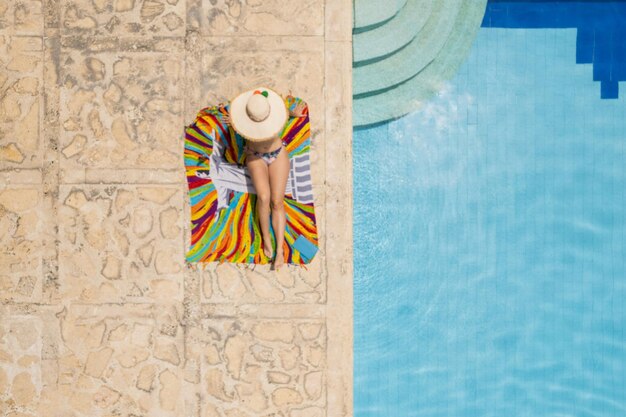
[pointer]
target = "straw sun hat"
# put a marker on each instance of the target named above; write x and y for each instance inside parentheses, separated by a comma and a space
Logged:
(258, 114)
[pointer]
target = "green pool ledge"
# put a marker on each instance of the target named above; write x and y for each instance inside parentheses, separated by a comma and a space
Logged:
(368, 14)
(400, 81)
(389, 38)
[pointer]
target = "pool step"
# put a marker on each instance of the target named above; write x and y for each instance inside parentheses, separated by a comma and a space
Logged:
(389, 86)
(369, 14)
(404, 64)
(386, 39)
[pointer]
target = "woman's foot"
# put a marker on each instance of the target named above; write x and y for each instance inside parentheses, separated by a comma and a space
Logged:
(279, 260)
(267, 248)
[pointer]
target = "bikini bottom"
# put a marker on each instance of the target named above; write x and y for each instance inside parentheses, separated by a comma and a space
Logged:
(268, 157)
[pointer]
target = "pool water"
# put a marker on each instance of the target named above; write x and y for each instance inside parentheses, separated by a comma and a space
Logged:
(490, 241)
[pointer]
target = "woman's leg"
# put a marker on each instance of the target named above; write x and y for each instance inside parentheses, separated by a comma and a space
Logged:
(278, 173)
(260, 179)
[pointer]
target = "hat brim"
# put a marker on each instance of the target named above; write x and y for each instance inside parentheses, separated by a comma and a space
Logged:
(258, 131)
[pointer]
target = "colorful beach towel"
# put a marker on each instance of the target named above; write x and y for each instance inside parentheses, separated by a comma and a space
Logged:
(224, 225)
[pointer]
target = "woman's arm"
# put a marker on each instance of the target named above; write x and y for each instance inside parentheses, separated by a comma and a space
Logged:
(299, 110)
(225, 115)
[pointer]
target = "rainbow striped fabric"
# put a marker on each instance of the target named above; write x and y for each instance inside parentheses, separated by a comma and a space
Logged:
(233, 234)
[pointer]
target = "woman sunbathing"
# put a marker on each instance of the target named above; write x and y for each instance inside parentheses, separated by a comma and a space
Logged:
(259, 116)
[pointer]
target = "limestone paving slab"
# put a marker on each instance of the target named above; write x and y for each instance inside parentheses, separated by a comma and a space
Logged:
(252, 366)
(21, 101)
(23, 17)
(256, 17)
(219, 68)
(23, 230)
(123, 17)
(22, 373)
(52, 17)
(50, 160)
(229, 283)
(121, 104)
(339, 247)
(338, 20)
(128, 330)
(119, 243)
(338, 94)
(88, 360)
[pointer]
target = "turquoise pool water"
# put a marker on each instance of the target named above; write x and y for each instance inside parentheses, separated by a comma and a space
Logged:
(489, 242)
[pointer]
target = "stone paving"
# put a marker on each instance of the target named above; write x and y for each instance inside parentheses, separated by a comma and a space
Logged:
(100, 314)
